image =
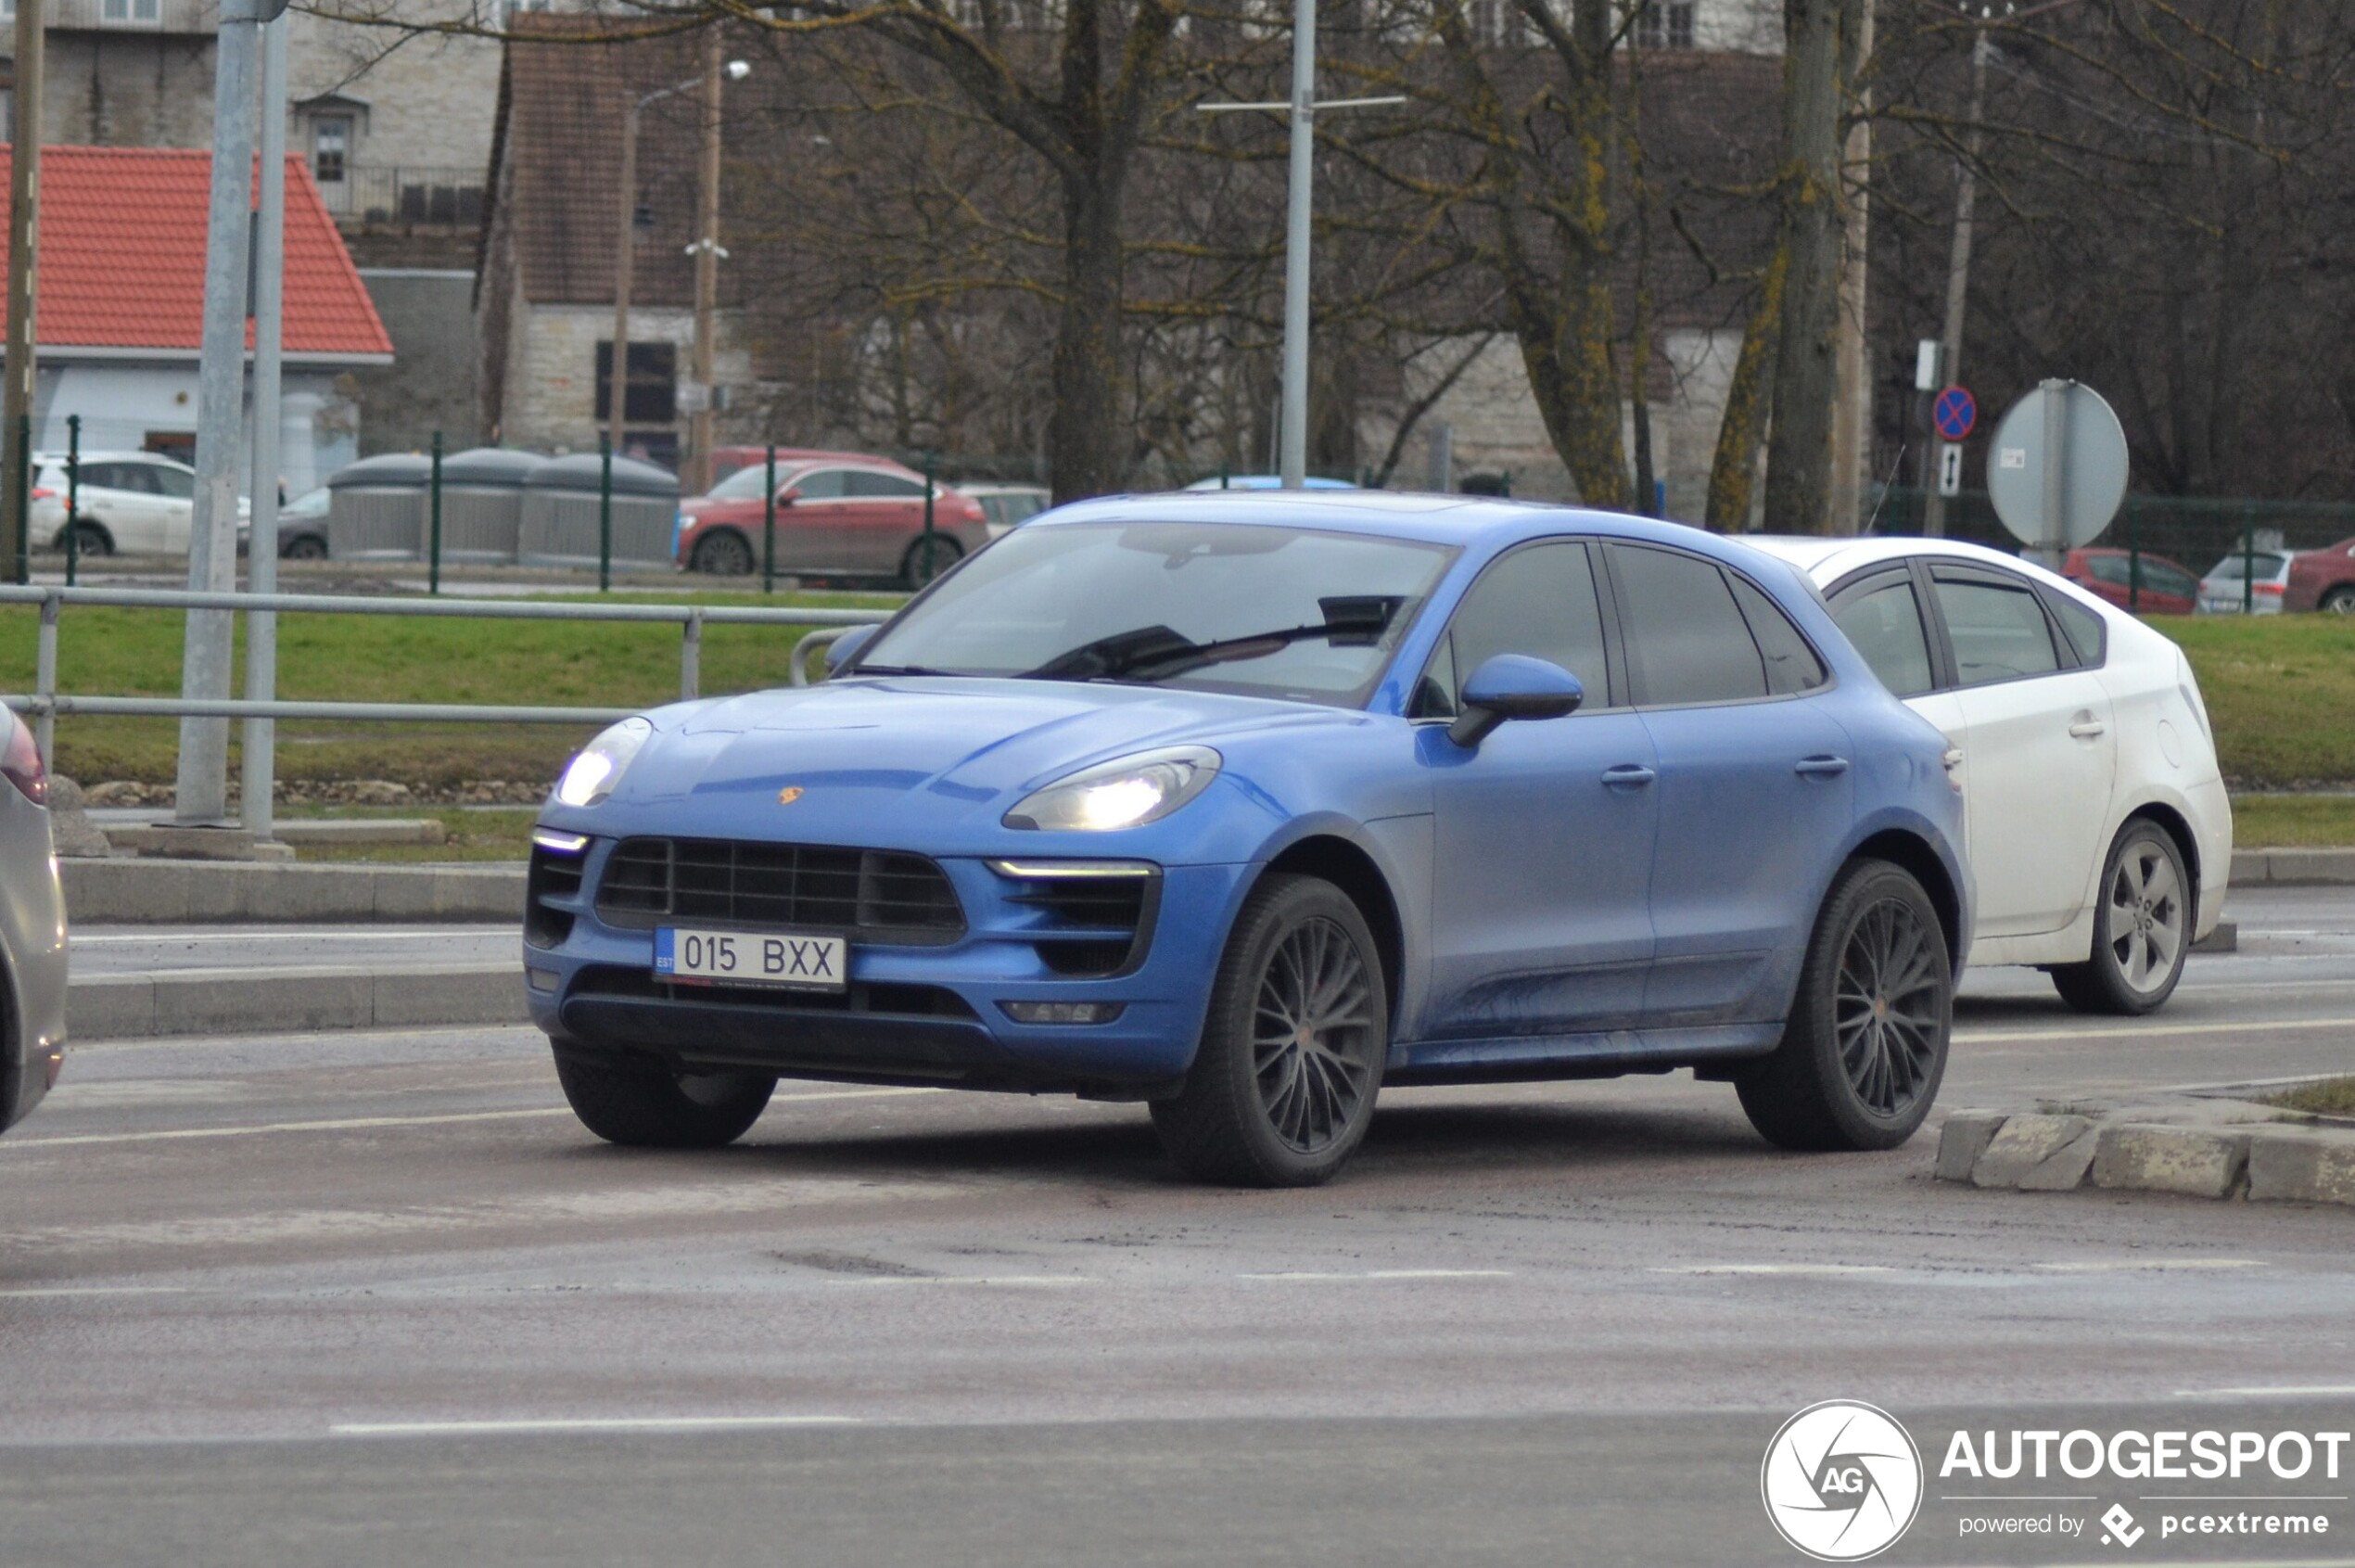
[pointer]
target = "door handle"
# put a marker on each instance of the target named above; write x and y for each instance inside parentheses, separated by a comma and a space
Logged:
(1628, 775)
(2086, 729)
(1823, 766)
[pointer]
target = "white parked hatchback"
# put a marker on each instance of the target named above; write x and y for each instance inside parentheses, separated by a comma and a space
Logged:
(2098, 830)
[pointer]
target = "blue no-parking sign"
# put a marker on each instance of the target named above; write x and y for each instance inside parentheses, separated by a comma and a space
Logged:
(1955, 412)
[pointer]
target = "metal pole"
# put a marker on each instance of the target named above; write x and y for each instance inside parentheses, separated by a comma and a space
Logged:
(625, 259)
(258, 761)
(2249, 566)
(202, 792)
(604, 514)
(698, 468)
(691, 656)
(24, 190)
(1958, 259)
(929, 546)
(2133, 560)
(433, 559)
(1852, 410)
(1294, 420)
(769, 527)
(21, 492)
(2055, 496)
(73, 494)
(44, 678)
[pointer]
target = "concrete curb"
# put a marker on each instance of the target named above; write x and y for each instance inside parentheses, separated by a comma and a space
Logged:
(206, 1001)
(2292, 867)
(2215, 1156)
(158, 892)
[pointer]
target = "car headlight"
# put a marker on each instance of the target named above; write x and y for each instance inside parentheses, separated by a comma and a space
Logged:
(592, 774)
(1127, 792)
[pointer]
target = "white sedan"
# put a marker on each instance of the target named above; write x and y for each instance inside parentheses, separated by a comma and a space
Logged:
(2099, 833)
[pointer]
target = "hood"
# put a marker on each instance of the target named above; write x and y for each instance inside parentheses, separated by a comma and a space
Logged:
(953, 748)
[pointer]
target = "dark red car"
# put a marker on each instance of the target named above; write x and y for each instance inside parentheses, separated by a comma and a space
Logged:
(2168, 588)
(2323, 580)
(838, 514)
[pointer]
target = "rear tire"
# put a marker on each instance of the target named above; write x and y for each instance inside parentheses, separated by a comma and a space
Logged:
(304, 547)
(649, 1108)
(723, 553)
(2142, 928)
(1864, 1049)
(1282, 1087)
(89, 540)
(2340, 600)
(946, 553)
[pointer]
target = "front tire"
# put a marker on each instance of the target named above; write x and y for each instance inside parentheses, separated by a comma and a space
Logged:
(1283, 1088)
(2142, 928)
(1864, 1049)
(648, 1108)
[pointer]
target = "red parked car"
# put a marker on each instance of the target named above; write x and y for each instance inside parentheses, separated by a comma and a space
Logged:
(2168, 588)
(838, 514)
(2323, 580)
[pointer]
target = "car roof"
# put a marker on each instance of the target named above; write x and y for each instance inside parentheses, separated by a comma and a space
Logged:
(992, 487)
(127, 454)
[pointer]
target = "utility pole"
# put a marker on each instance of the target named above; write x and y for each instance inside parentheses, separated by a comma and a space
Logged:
(1852, 412)
(1291, 421)
(259, 758)
(1958, 259)
(697, 469)
(24, 213)
(624, 262)
(202, 797)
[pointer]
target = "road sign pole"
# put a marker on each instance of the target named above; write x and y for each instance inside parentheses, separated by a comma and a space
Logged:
(2055, 533)
(769, 526)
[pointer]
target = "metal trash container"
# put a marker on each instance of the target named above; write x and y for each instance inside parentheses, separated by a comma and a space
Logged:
(377, 509)
(482, 502)
(560, 514)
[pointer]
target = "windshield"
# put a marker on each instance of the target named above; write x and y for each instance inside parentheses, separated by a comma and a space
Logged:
(2267, 564)
(745, 483)
(1274, 612)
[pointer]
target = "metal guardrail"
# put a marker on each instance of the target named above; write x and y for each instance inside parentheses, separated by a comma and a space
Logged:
(45, 702)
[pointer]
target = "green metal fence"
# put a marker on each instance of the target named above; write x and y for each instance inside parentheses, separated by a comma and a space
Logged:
(2194, 533)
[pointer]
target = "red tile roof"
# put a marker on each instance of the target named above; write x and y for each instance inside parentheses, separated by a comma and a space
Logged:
(122, 247)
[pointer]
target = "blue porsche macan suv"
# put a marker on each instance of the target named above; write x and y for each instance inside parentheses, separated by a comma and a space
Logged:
(1249, 806)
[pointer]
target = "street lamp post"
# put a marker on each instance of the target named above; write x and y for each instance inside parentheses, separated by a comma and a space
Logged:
(708, 253)
(1301, 108)
(624, 259)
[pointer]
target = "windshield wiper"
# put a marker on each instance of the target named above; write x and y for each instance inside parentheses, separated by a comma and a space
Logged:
(902, 669)
(1150, 653)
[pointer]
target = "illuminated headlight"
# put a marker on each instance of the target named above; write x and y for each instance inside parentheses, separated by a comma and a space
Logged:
(599, 766)
(1128, 792)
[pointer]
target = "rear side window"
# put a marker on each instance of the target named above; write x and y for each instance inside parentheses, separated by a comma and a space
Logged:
(2082, 626)
(1791, 665)
(1998, 631)
(1538, 600)
(1884, 619)
(866, 484)
(1687, 638)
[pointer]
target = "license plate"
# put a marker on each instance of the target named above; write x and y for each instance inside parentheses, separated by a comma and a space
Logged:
(753, 958)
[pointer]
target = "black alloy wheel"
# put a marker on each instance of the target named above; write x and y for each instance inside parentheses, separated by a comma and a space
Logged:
(1283, 1084)
(721, 552)
(1865, 1047)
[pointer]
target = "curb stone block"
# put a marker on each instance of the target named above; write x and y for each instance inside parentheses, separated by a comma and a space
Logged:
(2065, 1170)
(2025, 1143)
(2193, 1161)
(2301, 1167)
(1962, 1138)
(2311, 866)
(488, 995)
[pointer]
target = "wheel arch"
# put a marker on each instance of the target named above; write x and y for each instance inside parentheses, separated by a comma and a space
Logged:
(105, 533)
(2173, 823)
(1913, 854)
(1348, 867)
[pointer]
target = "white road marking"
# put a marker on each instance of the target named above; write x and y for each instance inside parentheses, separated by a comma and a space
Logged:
(2027, 1036)
(1826, 1268)
(604, 1423)
(35, 1291)
(1014, 1280)
(280, 934)
(2284, 1391)
(353, 1124)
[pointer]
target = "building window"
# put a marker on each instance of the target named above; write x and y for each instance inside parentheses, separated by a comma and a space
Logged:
(125, 10)
(330, 148)
(653, 394)
(1665, 24)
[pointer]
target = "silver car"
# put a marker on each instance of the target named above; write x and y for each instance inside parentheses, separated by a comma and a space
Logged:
(2224, 592)
(33, 930)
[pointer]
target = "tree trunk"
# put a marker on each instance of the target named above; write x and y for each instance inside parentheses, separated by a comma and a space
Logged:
(1799, 455)
(1733, 472)
(1084, 440)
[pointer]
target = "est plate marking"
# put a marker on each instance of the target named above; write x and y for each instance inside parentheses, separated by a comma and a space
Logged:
(753, 958)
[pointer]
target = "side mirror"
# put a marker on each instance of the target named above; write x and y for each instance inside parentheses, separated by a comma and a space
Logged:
(788, 497)
(1514, 686)
(844, 649)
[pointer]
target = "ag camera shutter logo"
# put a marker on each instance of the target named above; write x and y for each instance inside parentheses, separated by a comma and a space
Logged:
(1842, 1480)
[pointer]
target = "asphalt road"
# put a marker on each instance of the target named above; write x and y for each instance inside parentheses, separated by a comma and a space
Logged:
(364, 1299)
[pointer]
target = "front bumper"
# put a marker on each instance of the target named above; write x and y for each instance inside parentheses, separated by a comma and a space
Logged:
(32, 953)
(912, 1014)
